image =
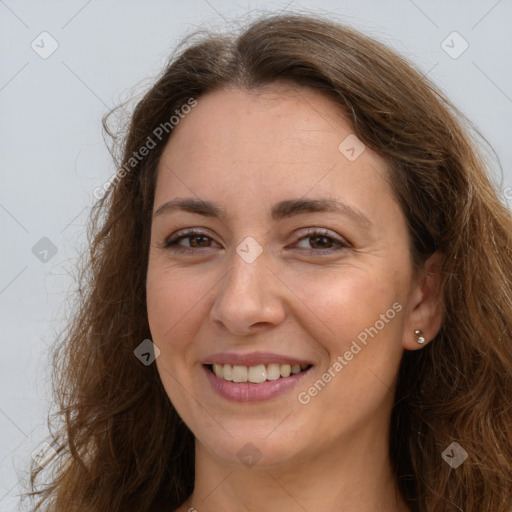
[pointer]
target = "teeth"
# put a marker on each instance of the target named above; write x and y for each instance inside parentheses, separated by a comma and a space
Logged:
(239, 373)
(273, 372)
(295, 369)
(227, 372)
(218, 369)
(285, 370)
(256, 374)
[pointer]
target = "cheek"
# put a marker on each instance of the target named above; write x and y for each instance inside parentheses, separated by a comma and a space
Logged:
(363, 318)
(343, 302)
(358, 323)
(172, 305)
(175, 304)
(161, 304)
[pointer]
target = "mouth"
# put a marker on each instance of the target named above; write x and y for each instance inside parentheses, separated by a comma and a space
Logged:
(257, 374)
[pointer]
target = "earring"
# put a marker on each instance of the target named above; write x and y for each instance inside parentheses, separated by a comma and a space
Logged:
(419, 336)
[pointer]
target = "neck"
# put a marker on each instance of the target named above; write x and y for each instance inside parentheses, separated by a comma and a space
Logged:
(355, 476)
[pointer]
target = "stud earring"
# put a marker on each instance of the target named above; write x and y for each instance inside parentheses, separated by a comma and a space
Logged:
(419, 336)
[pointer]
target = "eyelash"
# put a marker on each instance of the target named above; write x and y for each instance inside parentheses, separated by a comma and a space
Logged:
(171, 243)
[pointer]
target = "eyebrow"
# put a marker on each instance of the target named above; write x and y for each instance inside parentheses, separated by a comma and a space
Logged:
(281, 210)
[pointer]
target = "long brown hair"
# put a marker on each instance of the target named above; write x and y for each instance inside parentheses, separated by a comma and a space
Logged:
(121, 446)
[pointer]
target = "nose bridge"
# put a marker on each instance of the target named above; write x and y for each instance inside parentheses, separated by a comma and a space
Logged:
(249, 264)
(247, 295)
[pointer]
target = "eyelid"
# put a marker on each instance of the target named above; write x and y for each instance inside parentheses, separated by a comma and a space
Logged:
(185, 233)
(170, 242)
(312, 231)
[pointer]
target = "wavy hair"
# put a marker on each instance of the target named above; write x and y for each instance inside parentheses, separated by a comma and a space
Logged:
(121, 446)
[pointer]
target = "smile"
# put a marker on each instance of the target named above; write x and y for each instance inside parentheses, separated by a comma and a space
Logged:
(256, 374)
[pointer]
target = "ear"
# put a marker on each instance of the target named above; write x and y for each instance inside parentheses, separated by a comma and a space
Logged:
(426, 308)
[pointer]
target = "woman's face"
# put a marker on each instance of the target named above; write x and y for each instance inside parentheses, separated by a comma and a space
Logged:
(276, 278)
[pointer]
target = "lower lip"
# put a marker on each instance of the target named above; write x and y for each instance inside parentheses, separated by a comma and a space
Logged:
(248, 392)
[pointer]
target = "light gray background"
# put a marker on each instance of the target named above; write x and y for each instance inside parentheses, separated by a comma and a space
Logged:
(53, 154)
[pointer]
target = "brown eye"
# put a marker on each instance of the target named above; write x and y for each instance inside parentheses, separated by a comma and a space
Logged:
(196, 240)
(322, 240)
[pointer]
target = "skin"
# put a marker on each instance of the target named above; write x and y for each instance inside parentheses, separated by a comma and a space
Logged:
(245, 151)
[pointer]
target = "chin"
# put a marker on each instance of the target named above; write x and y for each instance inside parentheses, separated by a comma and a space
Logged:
(242, 443)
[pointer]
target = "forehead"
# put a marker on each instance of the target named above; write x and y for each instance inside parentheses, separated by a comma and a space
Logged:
(293, 114)
(272, 142)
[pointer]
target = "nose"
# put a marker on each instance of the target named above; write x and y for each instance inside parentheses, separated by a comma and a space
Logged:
(249, 298)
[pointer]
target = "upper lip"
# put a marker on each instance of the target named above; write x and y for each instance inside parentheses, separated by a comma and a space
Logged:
(253, 359)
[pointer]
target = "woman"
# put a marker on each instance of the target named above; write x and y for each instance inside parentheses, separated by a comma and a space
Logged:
(298, 295)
